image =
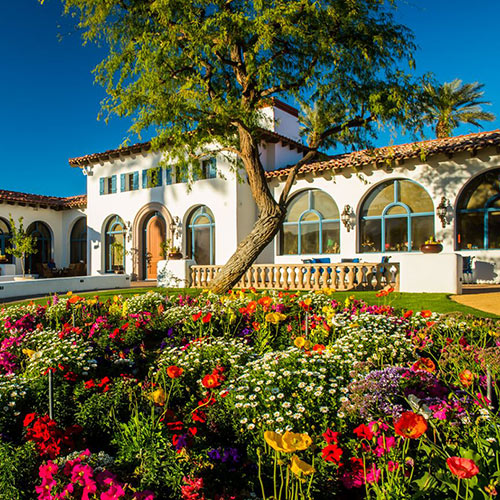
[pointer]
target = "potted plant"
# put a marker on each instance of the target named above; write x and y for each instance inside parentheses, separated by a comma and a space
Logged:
(22, 245)
(431, 246)
(175, 253)
(118, 252)
(165, 249)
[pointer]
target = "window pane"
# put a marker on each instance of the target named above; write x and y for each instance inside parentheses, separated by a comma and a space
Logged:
(309, 241)
(470, 231)
(324, 204)
(480, 190)
(378, 199)
(288, 240)
(331, 237)
(422, 228)
(202, 245)
(494, 230)
(396, 235)
(310, 216)
(415, 197)
(396, 210)
(4, 228)
(370, 232)
(203, 219)
(298, 205)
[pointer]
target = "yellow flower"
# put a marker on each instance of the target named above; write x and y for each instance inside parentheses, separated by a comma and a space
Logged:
(158, 396)
(91, 302)
(274, 440)
(307, 301)
(298, 467)
(116, 298)
(296, 442)
(494, 334)
(275, 317)
(28, 352)
(300, 342)
(69, 294)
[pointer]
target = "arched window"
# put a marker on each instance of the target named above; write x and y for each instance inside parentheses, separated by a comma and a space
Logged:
(115, 245)
(478, 213)
(396, 216)
(78, 241)
(5, 236)
(201, 236)
(311, 226)
(41, 232)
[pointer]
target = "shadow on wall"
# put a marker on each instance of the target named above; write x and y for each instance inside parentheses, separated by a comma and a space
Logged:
(484, 271)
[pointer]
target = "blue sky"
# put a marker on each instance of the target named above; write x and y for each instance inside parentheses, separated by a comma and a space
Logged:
(50, 103)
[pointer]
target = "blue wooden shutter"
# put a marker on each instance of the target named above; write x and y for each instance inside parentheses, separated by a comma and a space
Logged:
(168, 176)
(122, 183)
(159, 177)
(113, 183)
(212, 169)
(144, 179)
(101, 185)
(135, 181)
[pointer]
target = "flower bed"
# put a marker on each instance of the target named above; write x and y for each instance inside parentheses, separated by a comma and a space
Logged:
(245, 396)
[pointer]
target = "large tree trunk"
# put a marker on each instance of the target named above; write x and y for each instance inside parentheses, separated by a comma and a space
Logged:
(442, 130)
(263, 232)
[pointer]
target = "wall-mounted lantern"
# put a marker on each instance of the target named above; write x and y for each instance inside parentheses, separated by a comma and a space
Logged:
(348, 218)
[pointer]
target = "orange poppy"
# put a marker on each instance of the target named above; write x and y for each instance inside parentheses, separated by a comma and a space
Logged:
(319, 348)
(174, 371)
(410, 425)
(466, 378)
(464, 468)
(424, 364)
(210, 381)
(426, 313)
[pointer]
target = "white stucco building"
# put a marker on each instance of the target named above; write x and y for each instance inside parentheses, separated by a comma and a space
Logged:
(366, 205)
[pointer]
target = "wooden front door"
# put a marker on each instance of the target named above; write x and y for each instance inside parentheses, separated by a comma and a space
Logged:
(155, 235)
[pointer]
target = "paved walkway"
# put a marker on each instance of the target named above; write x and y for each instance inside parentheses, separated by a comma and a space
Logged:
(483, 297)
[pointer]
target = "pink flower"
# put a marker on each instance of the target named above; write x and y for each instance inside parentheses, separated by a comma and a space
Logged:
(373, 474)
(81, 474)
(114, 492)
(392, 466)
(384, 445)
(144, 495)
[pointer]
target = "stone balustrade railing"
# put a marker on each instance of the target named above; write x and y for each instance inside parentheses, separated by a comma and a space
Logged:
(344, 276)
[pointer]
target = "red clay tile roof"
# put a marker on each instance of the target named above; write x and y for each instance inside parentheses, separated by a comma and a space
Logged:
(423, 149)
(82, 161)
(55, 202)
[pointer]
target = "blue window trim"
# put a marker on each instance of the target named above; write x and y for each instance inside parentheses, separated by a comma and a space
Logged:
(301, 222)
(192, 226)
(382, 218)
(109, 233)
(81, 237)
(486, 210)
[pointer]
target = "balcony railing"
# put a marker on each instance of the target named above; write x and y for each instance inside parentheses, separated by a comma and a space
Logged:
(344, 276)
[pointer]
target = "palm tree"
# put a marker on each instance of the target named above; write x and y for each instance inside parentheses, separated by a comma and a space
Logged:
(449, 104)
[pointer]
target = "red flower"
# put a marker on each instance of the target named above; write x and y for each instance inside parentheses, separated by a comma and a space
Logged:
(319, 348)
(207, 317)
(410, 425)
(363, 432)
(71, 376)
(175, 426)
(199, 416)
(104, 381)
(426, 313)
(29, 418)
(331, 453)
(464, 468)
(210, 381)
(174, 371)
(331, 437)
(196, 316)
(407, 314)
(89, 384)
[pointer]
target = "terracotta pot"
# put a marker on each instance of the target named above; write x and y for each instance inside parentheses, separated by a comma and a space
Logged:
(431, 248)
(175, 255)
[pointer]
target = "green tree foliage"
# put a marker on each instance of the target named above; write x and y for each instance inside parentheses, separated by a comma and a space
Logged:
(199, 72)
(449, 104)
(22, 244)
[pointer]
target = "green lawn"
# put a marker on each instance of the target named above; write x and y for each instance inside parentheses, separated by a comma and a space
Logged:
(437, 302)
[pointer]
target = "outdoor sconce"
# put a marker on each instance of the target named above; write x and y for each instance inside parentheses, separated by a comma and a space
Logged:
(442, 211)
(347, 217)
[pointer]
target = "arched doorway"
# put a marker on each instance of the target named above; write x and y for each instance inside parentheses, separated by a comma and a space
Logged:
(43, 244)
(154, 234)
